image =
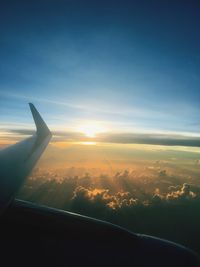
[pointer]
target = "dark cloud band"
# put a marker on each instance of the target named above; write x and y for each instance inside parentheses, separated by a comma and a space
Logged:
(121, 138)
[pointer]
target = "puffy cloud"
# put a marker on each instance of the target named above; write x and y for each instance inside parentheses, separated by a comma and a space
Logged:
(103, 196)
(176, 194)
(91, 194)
(183, 193)
(120, 200)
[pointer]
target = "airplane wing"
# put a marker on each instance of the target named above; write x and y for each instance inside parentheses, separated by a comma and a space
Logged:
(17, 161)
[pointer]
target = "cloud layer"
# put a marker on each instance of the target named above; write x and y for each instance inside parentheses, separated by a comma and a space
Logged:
(120, 138)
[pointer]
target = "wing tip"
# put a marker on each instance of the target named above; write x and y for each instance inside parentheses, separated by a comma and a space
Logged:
(42, 128)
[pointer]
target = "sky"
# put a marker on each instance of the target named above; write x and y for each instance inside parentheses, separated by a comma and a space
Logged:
(116, 66)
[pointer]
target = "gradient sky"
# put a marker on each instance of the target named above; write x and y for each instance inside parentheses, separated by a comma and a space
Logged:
(129, 65)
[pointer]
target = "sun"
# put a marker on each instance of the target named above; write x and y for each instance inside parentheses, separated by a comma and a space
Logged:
(91, 129)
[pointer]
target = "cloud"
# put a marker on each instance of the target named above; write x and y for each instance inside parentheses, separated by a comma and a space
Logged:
(101, 201)
(176, 194)
(150, 208)
(184, 193)
(21, 131)
(120, 138)
(151, 139)
(58, 136)
(104, 197)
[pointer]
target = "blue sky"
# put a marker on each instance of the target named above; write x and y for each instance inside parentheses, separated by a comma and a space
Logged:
(130, 65)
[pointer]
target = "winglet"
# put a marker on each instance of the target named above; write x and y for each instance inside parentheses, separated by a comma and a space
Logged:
(18, 160)
(42, 129)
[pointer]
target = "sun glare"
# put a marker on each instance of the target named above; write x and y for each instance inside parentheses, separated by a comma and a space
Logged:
(91, 129)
